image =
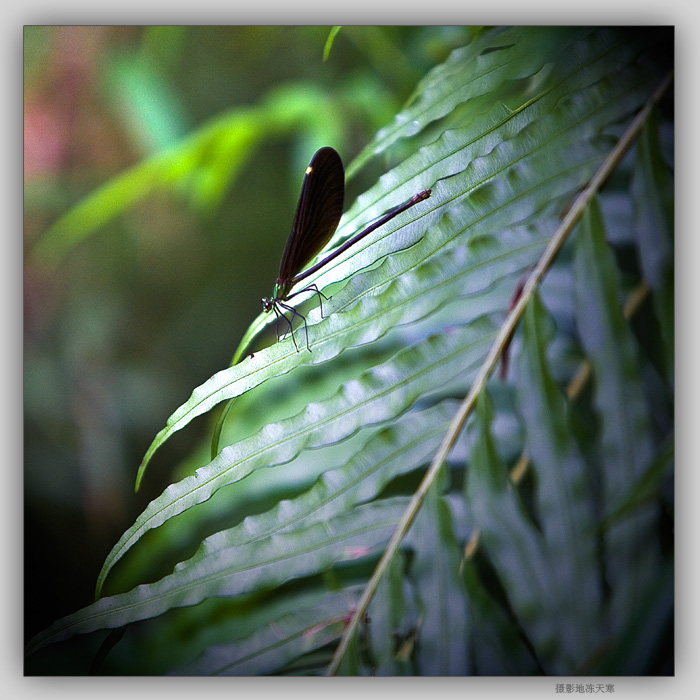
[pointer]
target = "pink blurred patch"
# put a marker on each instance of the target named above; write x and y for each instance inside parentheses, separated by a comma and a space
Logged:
(356, 552)
(45, 143)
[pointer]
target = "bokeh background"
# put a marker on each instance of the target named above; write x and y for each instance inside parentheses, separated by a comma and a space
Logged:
(123, 319)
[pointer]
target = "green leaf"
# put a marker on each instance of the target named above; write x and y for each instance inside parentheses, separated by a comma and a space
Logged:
(497, 643)
(415, 371)
(487, 63)
(646, 635)
(302, 624)
(564, 503)
(652, 188)
(276, 560)
(219, 150)
(631, 549)
(515, 169)
(440, 596)
(394, 619)
(511, 543)
(649, 484)
(519, 554)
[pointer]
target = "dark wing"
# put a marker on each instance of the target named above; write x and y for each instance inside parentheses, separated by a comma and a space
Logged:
(318, 212)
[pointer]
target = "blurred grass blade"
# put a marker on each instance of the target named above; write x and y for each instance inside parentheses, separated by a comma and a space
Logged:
(329, 42)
